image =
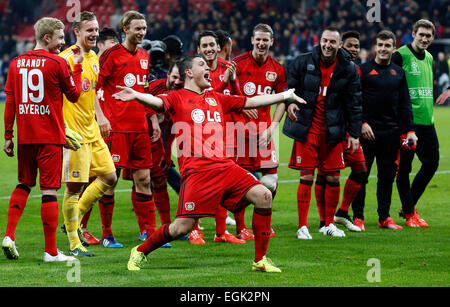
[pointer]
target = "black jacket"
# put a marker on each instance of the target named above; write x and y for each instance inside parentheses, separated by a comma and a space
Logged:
(343, 111)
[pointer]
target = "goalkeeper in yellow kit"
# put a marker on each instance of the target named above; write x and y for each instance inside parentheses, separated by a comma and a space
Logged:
(93, 158)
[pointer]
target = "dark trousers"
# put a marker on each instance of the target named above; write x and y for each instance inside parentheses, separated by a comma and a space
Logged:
(427, 151)
(384, 149)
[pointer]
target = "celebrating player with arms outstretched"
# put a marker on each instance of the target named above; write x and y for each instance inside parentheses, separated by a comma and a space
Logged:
(209, 177)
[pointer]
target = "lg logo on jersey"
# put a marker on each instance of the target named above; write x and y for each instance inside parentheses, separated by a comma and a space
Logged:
(130, 80)
(250, 89)
(198, 116)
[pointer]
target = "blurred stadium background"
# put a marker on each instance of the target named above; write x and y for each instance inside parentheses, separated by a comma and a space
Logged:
(297, 23)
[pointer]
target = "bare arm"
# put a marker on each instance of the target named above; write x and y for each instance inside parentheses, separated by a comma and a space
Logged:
(103, 122)
(148, 100)
(267, 100)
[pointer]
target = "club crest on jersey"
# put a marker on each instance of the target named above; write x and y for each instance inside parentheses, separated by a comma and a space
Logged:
(211, 101)
(144, 64)
(86, 85)
(198, 116)
(249, 88)
(271, 76)
(221, 78)
(75, 174)
(95, 68)
(189, 206)
(129, 80)
(115, 158)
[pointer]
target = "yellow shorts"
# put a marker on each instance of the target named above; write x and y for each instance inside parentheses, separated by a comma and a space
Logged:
(91, 160)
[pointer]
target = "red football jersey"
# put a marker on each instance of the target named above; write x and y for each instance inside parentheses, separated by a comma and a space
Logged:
(199, 126)
(34, 89)
(318, 125)
(255, 79)
(119, 66)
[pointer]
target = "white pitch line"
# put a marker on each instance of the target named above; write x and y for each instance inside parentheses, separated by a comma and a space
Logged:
(281, 181)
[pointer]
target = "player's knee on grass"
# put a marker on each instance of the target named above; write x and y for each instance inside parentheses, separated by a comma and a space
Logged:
(260, 196)
(270, 181)
(180, 227)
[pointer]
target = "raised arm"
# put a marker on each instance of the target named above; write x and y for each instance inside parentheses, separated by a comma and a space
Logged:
(267, 100)
(148, 100)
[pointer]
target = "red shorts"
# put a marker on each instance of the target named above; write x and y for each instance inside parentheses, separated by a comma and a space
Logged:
(315, 153)
(130, 150)
(256, 159)
(156, 171)
(354, 160)
(47, 158)
(202, 192)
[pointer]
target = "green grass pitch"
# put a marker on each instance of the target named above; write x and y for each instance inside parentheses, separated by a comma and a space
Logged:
(408, 257)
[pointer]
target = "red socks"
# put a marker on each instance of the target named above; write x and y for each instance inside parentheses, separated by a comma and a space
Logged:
(351, 190)
(106, 208)
(49, 216)
(319, 189)
(332, 193)
(85, 219)
(144, 208)
(160, 237)
(221, 218)
(162, 203)
(303, 200)
(239, 217)
(17, 204)
(261, 229)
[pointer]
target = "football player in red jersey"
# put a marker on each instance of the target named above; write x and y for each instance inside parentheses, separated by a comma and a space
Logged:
(209, 177)
(222, 75)
(129, 143)
(260, 74)
(35, 84)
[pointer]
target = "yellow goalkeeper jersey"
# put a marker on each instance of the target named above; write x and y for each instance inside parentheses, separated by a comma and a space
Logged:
(80, 116)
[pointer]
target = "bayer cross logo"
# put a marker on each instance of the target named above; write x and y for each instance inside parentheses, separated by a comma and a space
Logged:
(129, 80)
(198, 116)
(249, 88)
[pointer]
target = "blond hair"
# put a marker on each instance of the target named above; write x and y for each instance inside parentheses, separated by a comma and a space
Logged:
(262, 27)
(128, 17)
(83, 16)
(47, 25)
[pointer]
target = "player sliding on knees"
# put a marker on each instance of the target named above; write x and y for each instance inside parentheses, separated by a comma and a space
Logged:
(209, 177)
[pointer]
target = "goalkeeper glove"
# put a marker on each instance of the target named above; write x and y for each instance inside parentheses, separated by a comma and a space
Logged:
(72, 138)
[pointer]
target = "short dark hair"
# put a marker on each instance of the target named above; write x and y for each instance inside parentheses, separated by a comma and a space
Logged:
(423, 23)
(385, 35)
(223, 37)
(207, 33)
(186, 63)
(350, 34)
(107, 33)
(331, 29)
